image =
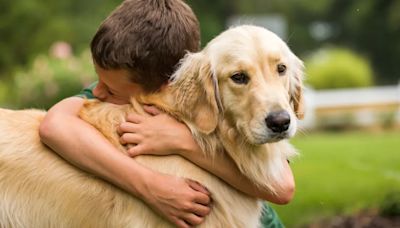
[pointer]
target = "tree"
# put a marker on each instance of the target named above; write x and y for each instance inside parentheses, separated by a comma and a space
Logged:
(371, 27)
(28, 28)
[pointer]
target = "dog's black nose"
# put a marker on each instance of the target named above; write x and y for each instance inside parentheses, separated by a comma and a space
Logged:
(278, 121)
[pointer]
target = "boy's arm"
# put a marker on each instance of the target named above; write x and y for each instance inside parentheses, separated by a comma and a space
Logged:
(81, 144)
(225, 168)
(161, 134)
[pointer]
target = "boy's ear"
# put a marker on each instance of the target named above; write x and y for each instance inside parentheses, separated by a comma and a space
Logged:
(197, 93)
(296, 90)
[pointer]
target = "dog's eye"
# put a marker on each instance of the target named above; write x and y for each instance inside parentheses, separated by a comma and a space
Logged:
(281, 68)
(240, 78)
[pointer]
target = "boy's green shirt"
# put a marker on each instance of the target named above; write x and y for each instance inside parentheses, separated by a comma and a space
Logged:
(269, 218)
(88, 91)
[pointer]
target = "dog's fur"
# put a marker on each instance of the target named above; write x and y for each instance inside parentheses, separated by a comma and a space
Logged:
(39, 189)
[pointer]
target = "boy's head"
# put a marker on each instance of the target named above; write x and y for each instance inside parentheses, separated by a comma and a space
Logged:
(147, 38)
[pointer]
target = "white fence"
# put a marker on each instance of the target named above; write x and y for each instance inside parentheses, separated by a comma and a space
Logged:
(364, 107)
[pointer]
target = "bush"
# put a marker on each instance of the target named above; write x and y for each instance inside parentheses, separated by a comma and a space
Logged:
(337, 68)
(340, 122)
(391, 205)
(50, 79)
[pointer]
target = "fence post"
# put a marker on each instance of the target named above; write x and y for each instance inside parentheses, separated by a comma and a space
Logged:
(309, 118)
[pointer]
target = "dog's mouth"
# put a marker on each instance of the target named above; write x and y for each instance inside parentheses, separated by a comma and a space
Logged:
(276, 137)
(268, 138)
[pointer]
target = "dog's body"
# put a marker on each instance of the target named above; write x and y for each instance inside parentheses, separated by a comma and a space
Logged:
(39, 189)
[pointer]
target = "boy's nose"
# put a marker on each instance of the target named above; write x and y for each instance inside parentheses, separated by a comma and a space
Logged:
(99, 92)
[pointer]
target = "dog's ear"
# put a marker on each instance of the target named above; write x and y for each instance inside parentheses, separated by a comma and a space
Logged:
(296, 90)
(196, 92)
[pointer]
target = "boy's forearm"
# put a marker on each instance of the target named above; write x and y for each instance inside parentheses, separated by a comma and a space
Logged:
(224, 167)
(100, 157)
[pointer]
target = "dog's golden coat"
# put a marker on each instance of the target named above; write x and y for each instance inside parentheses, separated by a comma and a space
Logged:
(39, 189)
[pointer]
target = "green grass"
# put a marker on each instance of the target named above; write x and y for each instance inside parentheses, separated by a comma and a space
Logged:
(340, 173)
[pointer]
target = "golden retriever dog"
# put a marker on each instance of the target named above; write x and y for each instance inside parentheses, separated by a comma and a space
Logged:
(242, 93)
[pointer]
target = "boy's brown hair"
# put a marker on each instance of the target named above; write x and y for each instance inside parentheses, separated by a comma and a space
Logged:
(147, 38)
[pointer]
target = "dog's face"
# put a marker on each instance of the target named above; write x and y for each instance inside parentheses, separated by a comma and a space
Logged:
(250, 75)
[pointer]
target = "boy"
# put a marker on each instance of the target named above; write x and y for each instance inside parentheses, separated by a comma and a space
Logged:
(134, 51)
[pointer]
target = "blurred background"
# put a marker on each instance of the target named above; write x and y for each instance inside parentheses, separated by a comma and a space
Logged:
(348, 174)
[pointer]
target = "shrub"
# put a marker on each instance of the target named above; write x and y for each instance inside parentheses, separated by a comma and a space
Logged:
(337, 68)
(339, 122)
(50, 79)
(391, 205)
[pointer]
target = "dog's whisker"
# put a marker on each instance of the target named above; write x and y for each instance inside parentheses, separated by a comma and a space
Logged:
(302, 131)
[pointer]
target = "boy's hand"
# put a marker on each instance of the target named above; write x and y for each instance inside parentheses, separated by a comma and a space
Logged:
(182, 201)
(159, 134)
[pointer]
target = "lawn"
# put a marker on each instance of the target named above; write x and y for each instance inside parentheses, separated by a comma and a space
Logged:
(340, 173)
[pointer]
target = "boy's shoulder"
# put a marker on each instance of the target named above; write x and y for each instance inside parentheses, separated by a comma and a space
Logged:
(88, 91)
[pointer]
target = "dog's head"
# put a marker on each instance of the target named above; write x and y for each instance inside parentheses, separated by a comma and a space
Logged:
(249, 76)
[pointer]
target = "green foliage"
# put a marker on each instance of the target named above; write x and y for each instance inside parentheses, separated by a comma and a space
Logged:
(340, 122)
(337, 68)
(4, 92)
(391, 205)
(369, 26)
(388, 120)
(29, 28)
(51, 79)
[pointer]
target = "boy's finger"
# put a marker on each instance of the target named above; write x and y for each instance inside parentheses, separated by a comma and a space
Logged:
(130, 138)
(134, 118)
(135, 151)
(203, 196)
(126, 127)
(193, 219)
(180, 223)
(120, 131)
(197, 186)
(203, 199)
(201, 210)
(152, 110)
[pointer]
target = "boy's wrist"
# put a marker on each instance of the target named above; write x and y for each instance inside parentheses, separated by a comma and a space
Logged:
(188, 149)
(145, 186)
(138, 181)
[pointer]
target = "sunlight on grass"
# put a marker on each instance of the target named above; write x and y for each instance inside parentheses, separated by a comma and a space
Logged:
(341, 173)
